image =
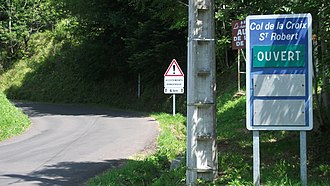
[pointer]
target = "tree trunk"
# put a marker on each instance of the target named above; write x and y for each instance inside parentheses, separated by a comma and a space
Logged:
(325, 101)
(11, 47)
(318, 120)
(325, 91)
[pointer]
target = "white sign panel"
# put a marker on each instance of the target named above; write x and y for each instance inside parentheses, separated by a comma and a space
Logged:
(174, 79)
(279, 85)
(279, 112)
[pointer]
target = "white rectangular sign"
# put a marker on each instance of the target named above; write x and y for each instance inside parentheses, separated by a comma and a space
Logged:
(173, 85)
(174, 79)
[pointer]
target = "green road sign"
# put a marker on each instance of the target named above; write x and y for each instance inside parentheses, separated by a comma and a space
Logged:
(279, 56)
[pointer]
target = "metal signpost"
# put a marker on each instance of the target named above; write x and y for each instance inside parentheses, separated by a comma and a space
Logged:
(174, 81)
(279, 79)
(201, 87)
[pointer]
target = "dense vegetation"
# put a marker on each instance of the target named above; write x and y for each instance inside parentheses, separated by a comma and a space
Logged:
(82, 51)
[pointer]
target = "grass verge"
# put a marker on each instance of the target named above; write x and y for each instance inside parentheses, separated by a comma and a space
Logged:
(12, 120)
(154, 169)
(279, 152)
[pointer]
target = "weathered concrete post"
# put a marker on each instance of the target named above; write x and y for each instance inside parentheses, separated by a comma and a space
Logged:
(201, 108)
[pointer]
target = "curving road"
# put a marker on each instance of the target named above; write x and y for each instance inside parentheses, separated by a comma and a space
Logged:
(67, 145)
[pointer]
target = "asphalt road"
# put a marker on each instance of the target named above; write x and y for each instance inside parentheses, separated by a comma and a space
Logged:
(67, 145)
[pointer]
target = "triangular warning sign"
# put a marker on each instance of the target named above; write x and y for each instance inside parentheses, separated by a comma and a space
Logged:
(174, 69)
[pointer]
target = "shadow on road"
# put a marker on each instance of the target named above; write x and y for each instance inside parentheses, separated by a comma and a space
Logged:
(67, 173)
(44, 109)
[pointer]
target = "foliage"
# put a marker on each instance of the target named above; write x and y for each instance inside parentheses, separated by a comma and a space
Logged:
(19, 20)
(227, 11)
(129, 37)
(12, 120)
(102, 42)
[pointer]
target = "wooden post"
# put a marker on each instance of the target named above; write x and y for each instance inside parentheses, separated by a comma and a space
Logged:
(139, 86)
(239, 70)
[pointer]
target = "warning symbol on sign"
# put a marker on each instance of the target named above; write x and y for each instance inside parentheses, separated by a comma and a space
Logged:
(174, 79)
(174, 69)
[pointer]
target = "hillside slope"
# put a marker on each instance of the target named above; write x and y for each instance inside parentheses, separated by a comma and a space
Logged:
(52, 74)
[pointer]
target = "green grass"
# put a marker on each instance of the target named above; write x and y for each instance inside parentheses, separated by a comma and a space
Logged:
(12, 120)
(279, 152)
(280, 164)
(154, 169)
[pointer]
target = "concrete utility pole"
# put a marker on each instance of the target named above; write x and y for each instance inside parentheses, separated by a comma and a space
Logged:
(201, 120)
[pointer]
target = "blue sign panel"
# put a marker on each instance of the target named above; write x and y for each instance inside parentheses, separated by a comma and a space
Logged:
(279, 72)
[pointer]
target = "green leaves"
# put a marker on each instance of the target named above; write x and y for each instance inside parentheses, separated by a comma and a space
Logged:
(12, 120)
(19, 20)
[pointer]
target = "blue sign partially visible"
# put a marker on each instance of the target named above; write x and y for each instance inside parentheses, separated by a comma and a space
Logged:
(279, 72)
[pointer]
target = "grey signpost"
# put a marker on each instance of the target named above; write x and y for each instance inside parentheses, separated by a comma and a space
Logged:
(201, 88)
(279, 79)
